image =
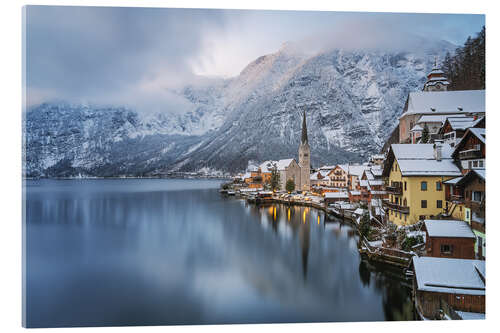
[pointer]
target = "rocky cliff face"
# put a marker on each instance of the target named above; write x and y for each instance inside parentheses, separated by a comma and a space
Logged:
(352, 101)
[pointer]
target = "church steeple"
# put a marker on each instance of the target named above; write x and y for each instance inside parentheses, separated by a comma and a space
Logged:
(304, 159)
(436, 79)
(304, 129)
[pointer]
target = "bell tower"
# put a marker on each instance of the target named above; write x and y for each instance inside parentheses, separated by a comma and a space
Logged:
(304, 159)
(436, 79)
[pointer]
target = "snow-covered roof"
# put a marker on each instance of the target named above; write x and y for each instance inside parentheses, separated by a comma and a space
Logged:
(363, 183)
(420, 151)
(327, 167)
(357, 170)
(461, 123)
(436, 71)
(470, 315)
(428, 168)
(323, 173)
(445, 275)
(416, 128)
(419, 160)
(448, 228)
(376, 182)
(355, 193)
(378, 157)
(247, 175)
(453, 181)
(344, 167)
(480, 133)
(438, 118)
(336, 195)
(481, 173)
(266, 166)
(280, 165)
(376, 171)
(359, 211)
(428, 102)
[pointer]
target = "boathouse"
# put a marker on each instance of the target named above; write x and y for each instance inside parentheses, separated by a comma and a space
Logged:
(440, 283)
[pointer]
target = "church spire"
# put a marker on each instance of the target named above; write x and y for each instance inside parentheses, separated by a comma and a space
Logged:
(304, 129)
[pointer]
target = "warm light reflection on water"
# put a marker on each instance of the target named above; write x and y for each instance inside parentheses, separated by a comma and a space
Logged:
(153, 252)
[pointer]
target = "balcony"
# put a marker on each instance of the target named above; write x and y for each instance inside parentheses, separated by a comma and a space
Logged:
(458, 198)
(396, 190)
(471, 153)
(396, 207)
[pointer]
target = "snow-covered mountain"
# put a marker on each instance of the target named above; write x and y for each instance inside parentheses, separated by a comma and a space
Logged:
(352, 100)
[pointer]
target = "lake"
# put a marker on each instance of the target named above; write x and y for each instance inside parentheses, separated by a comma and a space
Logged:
(167, 251)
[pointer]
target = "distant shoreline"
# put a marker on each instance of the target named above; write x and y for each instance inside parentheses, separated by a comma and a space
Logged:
(104, 178)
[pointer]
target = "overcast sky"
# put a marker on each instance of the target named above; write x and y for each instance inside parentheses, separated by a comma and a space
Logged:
(132, 56)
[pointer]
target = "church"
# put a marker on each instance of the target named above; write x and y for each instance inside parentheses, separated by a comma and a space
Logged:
(289, 168)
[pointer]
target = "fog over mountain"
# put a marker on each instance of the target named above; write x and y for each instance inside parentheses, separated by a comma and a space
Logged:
(352, 98)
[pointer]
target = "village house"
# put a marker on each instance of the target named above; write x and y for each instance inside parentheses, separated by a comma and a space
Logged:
(377, 159)
(320, 178)
(449, 239)
(454, 128)
(466, 200)
(339, 176)
(470, 152)
(414, 177)
(434, 100)
(333, 197)
(444, 284)
(355, 172)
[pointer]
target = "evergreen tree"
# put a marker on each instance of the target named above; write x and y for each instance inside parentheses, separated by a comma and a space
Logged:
(290, 185)
(425, 135)
(275, 178)
(466, 69)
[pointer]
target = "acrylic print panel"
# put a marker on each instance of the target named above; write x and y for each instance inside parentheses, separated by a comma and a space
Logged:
(187, 166)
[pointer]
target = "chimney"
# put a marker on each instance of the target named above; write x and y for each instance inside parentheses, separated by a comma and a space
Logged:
(438, 150)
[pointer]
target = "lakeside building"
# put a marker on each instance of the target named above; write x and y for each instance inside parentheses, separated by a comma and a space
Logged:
(456, 286)
(415, 176)
(288, 169)
(339, 176)
(466, 200)
(449, 239)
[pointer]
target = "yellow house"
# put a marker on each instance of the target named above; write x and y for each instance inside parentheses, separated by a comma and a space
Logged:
(414, 176)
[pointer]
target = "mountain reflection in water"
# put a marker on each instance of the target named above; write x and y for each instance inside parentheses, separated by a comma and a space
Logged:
(159, 252)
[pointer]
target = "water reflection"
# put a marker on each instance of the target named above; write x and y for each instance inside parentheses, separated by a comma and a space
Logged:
(144, 252)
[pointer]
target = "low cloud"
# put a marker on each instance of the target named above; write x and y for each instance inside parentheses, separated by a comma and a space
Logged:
(138, 57)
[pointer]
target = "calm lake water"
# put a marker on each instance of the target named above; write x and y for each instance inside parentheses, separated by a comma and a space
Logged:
(159, 252)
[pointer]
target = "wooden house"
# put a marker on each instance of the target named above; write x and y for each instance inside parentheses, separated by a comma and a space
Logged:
(449, 239)
(457, 283)
(470, 152)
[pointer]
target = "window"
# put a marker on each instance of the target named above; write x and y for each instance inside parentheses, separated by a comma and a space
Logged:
(470, 164)
(446, 248)
(423, 204)
(439, 186)
(404, 202)
(405, 217)
(481, 164)
(423, 186)
(474, 164)
(477, 196)
(421, 217)
(405, 186)
(399, 215)
(439, 204)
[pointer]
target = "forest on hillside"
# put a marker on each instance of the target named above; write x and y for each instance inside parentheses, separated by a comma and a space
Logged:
(466, 69)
